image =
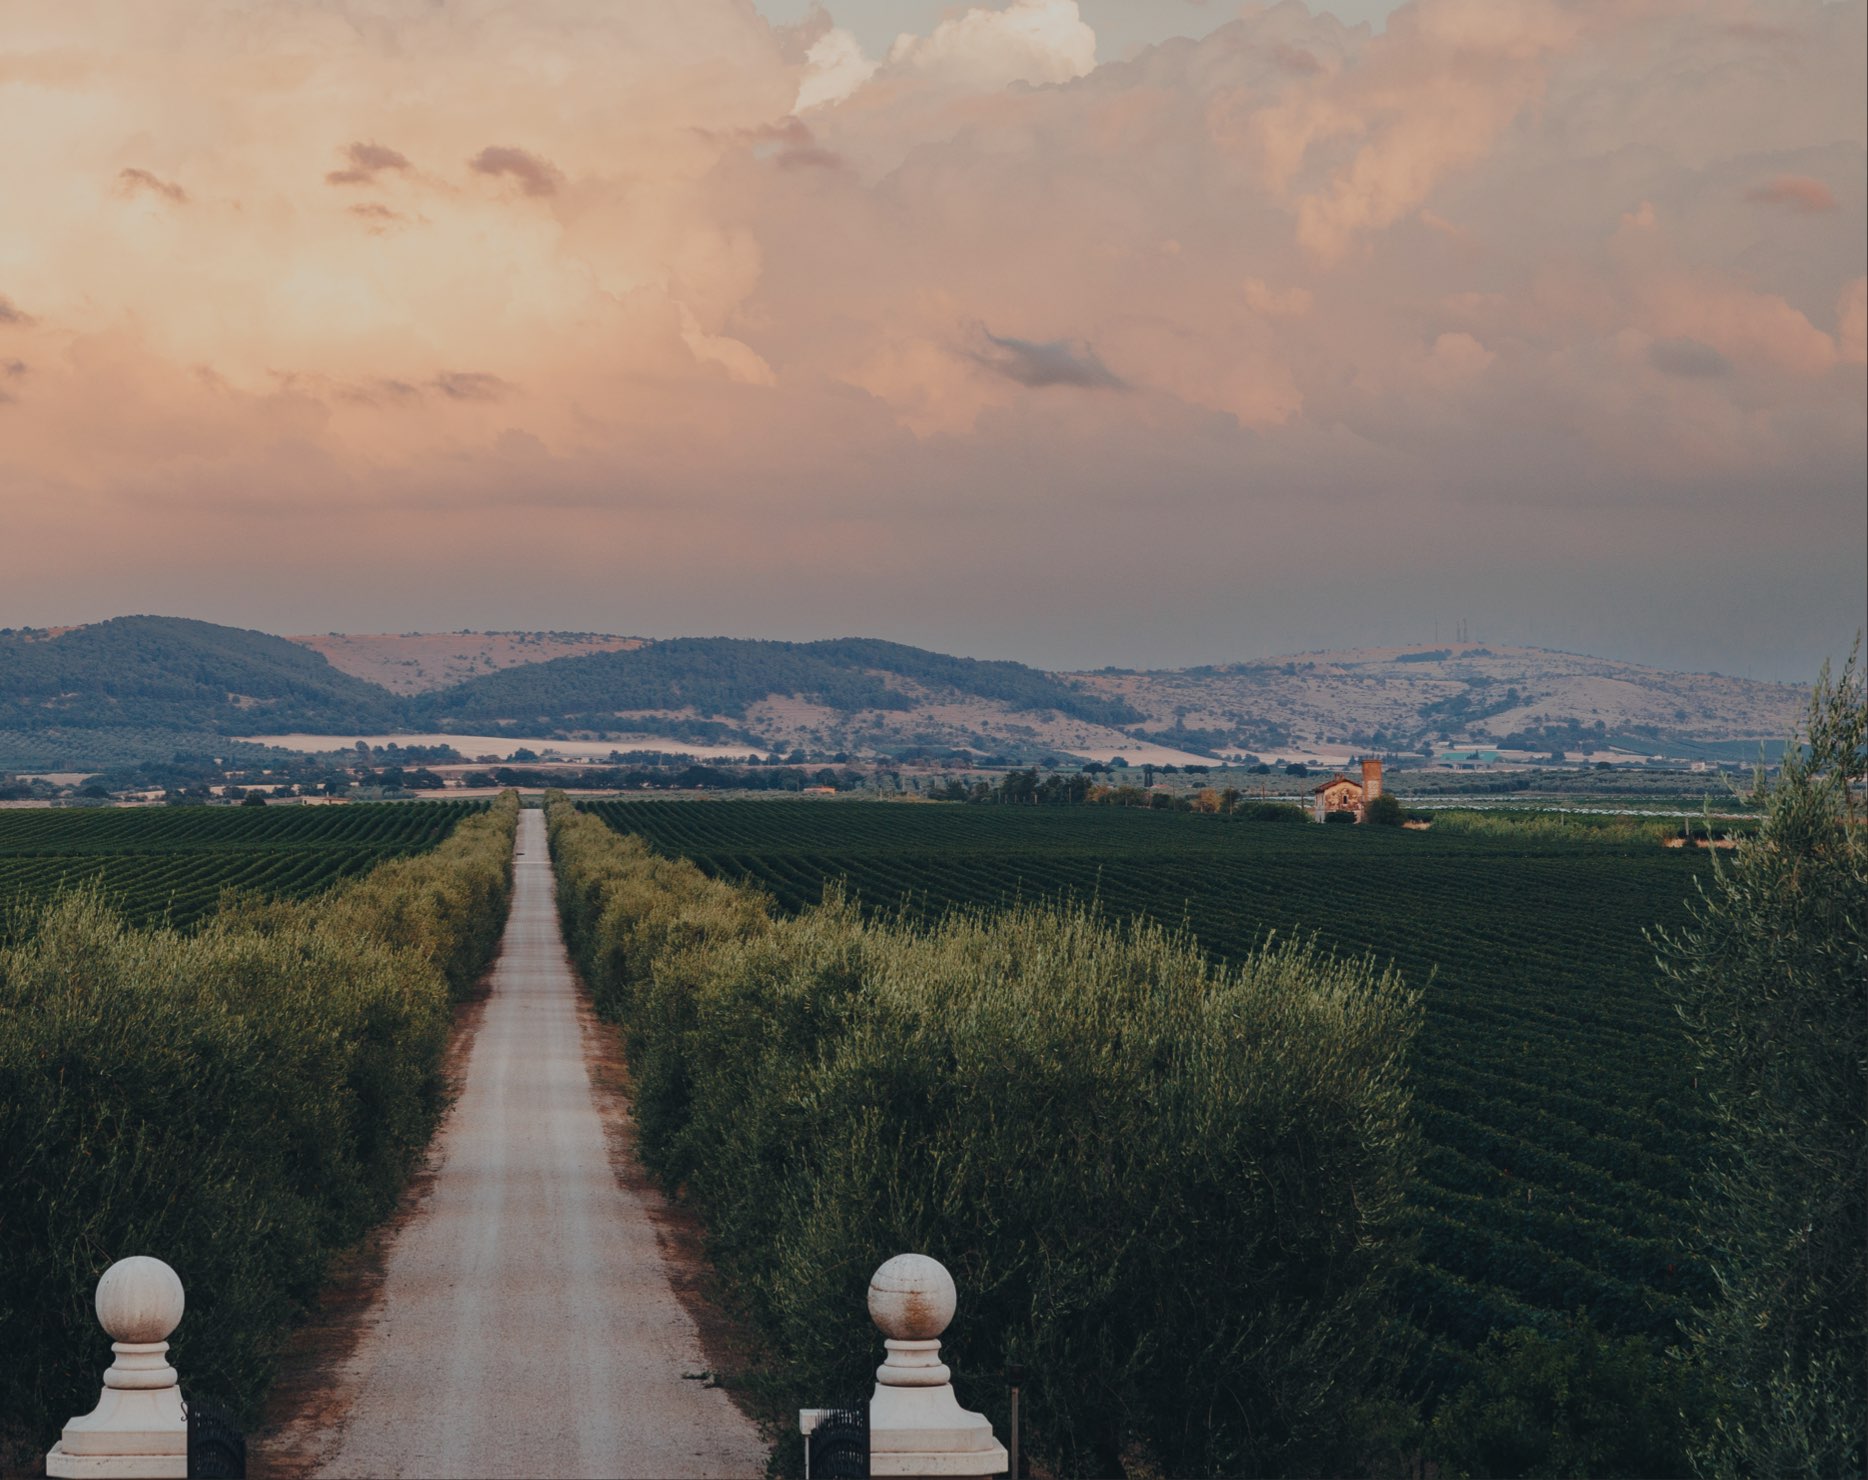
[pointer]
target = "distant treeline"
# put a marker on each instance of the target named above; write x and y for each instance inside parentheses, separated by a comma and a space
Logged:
(1026, 788)
(687, 778)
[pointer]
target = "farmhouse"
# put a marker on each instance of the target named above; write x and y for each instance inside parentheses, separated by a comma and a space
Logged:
(1341, 794)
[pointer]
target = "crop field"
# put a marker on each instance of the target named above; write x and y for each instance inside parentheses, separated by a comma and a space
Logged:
(1559, 1114)
(171, 863)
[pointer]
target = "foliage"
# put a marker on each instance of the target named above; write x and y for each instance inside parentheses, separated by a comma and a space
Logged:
(678, 778)
(1771, 978)
(240, 1102)
(1552, 1085)
(1173, 1188)
(175, 674)
(170, 866)
(1383, 811)
(1574, 1404)
(1528, 824)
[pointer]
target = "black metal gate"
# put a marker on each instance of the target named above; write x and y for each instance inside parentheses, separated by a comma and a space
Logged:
(838, 1448)
(216, 1448)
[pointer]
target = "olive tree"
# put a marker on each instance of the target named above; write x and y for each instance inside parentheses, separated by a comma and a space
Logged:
(1771, 978)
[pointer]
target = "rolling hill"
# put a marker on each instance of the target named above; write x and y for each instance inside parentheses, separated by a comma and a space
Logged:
(151, 685)
(170, 673)
(1415, 699)
(724, 688)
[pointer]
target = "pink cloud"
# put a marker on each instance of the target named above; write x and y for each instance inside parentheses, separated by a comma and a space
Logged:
(1747, 327)
(1795, 192)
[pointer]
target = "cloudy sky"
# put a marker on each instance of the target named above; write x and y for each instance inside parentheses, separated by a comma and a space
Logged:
(1080, 331)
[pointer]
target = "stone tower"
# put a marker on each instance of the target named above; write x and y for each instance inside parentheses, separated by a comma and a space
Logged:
(1371, 780)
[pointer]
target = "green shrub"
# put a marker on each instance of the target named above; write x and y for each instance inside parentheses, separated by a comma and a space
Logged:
(1384, 811)
(1570, 827)
(1172, 1189)
(239, 1101)
(1573, 1404)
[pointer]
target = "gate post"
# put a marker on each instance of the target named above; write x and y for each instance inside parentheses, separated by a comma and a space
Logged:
(916, 1424)
(139, 1429)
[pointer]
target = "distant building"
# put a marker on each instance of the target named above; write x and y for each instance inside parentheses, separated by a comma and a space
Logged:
(1341, 794)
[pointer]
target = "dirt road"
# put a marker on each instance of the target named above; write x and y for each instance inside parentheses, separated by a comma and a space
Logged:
(527, 1325)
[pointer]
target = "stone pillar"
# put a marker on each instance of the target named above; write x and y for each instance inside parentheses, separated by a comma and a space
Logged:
(139, 1429)
(916, 1424)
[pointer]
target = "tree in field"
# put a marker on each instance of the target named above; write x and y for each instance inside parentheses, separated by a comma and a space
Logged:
(1771, 979)
(1384, 810)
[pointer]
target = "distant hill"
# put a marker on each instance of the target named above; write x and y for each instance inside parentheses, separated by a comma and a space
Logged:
(169, 673)
(416, 662)
(150, 685)
(715, 687)
(1401, 699)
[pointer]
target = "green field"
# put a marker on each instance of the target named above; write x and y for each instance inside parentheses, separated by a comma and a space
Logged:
(1559, 1114)
(171, 863)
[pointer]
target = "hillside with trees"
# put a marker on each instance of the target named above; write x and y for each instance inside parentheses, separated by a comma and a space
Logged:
(721, 678)
(170, 673)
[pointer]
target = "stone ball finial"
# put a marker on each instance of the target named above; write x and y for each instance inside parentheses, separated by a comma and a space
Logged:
(139, 1300)
(911, 1298)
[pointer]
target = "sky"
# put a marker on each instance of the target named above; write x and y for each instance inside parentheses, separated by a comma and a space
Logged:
(1085, 332)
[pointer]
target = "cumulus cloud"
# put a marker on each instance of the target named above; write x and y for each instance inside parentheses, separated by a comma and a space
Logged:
(536, 176)
(12, 313)
(1028, 41)
(834, 68)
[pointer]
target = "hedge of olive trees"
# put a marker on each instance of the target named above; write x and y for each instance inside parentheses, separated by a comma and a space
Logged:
(1171, 1190)
(240, 1101)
